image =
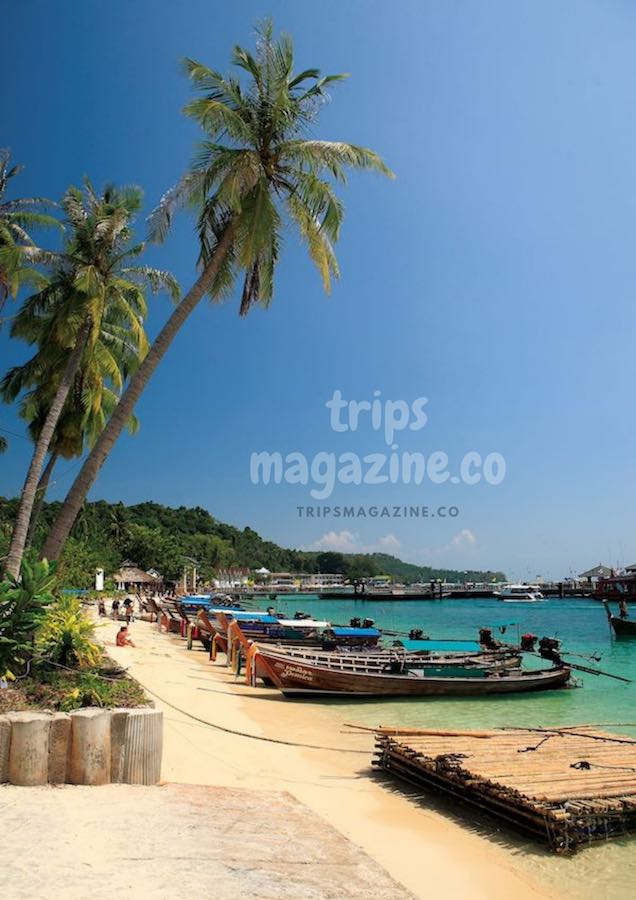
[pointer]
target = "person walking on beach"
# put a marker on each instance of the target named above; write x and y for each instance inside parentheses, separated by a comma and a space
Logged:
(114, 609)
(123, 639)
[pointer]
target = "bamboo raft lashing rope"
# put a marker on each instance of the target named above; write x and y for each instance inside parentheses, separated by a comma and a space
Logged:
(566, 786)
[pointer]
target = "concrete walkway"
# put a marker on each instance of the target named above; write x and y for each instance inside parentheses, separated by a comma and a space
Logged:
(177, 841)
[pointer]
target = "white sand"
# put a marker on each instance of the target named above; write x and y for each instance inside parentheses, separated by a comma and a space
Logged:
(422, 848)
(177, 842)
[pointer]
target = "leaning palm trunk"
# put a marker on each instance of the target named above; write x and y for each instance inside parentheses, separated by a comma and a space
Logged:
(28, 495)
(117, 422)
(43, 486)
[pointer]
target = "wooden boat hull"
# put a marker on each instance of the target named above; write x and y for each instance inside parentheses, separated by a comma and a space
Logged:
(353, 662)
(296, 677)
(623, 627)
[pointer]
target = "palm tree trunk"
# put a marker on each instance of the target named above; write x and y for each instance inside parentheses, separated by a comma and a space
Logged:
(43, 486)
(117, 422)
(27, 497)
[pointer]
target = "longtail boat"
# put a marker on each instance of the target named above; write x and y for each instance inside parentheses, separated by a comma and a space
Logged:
(623, 626)
(297, 677)
(379, 660)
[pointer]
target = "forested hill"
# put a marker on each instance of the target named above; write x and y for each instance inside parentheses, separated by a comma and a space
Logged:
(159, 537)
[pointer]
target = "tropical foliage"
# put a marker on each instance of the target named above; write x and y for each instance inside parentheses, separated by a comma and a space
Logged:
(17, 219)
(86, 322)
(65, 636)
(23, 606)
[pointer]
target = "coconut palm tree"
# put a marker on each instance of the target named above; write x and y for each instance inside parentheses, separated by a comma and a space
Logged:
(17, 218)
(118, 527)
(91, 400)
(256, 169)
(89, 283)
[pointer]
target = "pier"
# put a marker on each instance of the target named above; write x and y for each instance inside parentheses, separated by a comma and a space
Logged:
(566, 786)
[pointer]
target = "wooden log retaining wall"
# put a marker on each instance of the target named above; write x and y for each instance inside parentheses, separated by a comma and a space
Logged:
(86, 746)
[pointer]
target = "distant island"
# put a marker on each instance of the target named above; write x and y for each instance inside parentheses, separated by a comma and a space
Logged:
(160, 537)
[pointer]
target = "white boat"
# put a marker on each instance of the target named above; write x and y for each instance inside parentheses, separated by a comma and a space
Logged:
(520, 593)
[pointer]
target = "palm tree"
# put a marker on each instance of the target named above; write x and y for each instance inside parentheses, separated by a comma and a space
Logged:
(118, 527)
(91, 400)
(90, 283)
(255, 169)
(17, 218)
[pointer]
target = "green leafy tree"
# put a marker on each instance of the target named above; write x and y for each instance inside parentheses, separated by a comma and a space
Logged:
(331, 562)
(90, 282)
(255, 170)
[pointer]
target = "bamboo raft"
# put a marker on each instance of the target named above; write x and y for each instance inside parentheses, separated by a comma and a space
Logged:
(564, 786)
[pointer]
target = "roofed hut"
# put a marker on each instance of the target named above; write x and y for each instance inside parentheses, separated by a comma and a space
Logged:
(133, 579)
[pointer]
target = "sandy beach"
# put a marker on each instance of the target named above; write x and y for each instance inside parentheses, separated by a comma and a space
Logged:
(261, 741)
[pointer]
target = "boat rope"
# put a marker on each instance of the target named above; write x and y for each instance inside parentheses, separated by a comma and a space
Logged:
(254, 737)
(536, 746)
(585, 764)
(572, 733)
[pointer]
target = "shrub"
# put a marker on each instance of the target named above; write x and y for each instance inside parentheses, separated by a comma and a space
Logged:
(66, 691)
(23, 605)
(66, 636)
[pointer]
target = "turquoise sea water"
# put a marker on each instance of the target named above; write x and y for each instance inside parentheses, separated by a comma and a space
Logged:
(604, 871)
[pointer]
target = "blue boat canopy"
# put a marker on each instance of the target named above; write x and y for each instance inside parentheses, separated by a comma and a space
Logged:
(355, 632)
(244, 616)
(440, 646)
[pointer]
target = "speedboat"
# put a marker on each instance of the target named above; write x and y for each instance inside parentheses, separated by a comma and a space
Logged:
(520, 593)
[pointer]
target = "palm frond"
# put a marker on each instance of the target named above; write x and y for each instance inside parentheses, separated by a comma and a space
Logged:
(188, 191)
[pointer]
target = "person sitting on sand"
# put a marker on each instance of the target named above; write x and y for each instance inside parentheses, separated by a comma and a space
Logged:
(123, 639)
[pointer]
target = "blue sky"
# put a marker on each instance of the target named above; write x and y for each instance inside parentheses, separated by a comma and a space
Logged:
(495, 276)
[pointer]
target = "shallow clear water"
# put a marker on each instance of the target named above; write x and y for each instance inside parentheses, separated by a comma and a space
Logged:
(602, 871)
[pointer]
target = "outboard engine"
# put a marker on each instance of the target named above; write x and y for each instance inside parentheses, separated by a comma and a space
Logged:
(355, 622)
(487, 640)
(549, 649)
(416, 634)
(368, 623)
(301, 615)
(528, 642)
(394, 667)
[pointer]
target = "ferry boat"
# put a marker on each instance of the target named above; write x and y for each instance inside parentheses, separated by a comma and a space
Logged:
(520, 593)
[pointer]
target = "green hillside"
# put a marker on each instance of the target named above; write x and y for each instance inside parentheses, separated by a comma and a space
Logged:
(159, 537)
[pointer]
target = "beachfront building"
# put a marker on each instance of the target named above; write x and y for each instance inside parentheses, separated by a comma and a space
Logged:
(321, 581)
(134, 580)
(593, 575)
(284, 581)
(380, 581)
(232, 579)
